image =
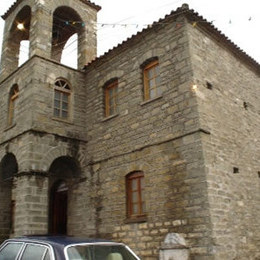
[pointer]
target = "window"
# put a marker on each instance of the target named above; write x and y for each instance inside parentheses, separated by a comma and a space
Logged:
(33, 252)
(10, 251)
(12, 103)
(111, 98)
(62, 94)
(135, 195)
(151, 77)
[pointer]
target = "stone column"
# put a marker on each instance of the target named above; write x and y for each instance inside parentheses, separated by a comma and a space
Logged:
(174, 248)
(31, 204)
(41, 32)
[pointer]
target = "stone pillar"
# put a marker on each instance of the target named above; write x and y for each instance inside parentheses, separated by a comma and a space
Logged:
(174, 248)
(31, 204)
(41, 32)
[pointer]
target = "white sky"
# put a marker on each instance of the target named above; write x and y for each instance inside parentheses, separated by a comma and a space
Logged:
(239, 20)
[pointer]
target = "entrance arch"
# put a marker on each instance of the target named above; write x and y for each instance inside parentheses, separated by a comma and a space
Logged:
(62, 172)
(58, 208)
(8, 169)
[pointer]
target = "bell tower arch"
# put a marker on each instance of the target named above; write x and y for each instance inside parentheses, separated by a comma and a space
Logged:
(48, 25)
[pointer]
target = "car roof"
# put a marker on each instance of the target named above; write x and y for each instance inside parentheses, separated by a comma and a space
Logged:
(59, 240)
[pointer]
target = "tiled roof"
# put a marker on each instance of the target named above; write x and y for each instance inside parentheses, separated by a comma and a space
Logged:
(208, 27)
(14, 5)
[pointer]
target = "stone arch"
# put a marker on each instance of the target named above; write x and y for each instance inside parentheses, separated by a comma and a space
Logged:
(62, 173)
(8, 169)
(60, 151)
(111, 75)
(150, 54)
(54, 152)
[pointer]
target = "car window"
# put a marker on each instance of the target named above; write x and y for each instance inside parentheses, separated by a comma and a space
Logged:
(34, 252)
(10, 251)
(99, 252)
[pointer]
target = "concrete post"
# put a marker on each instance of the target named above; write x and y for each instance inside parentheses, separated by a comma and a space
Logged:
(174, 248)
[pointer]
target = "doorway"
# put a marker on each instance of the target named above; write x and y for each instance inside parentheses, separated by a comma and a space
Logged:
(58, 208)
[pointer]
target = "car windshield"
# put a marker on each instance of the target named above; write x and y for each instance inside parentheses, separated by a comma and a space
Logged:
(99, 252)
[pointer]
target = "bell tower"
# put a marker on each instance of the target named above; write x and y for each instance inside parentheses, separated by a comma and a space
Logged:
(42, 114)
(48, 25)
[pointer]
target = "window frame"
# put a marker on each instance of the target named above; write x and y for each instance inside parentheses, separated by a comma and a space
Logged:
(114, 86)
(44, 253)
(13, 97)
(62, 87)
(141, 214)
(20, 253)
(149, 67)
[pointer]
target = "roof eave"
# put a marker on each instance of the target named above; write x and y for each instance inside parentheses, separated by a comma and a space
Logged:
(202, 23)
(15, 4)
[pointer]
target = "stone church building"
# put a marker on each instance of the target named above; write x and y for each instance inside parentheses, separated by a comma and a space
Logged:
(160, 135)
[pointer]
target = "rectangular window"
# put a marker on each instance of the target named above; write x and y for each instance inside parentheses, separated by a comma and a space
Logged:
(151, 74)
(111, 98)
(135, 195)
(61, 104)
(62, 93)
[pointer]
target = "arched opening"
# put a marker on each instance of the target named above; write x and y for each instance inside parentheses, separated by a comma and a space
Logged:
(62, 172)
(18, 41)
(66, 23)
(64, 167)
(8, 169)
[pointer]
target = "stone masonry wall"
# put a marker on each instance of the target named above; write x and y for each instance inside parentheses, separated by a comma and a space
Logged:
(160, 137)
(229, 109)
(35, 152)
(36, 139)
(34, 106)
(140, 123)
(174, 181)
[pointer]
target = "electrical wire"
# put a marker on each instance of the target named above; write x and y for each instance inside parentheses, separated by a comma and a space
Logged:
(100, 26)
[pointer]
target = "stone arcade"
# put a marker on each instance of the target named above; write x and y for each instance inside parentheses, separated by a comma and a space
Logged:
(154, 143)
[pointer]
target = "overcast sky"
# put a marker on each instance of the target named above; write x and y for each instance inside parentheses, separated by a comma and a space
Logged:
(239, 20)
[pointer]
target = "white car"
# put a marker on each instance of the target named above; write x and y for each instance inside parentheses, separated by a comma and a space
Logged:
(64, 248)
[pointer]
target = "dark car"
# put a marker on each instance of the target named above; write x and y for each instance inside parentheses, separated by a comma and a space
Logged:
(64, 248)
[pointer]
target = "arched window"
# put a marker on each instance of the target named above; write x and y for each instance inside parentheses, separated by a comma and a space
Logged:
(151, 79)
(135, 195)
(14, 93)
(62, 93)
(111, 98)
